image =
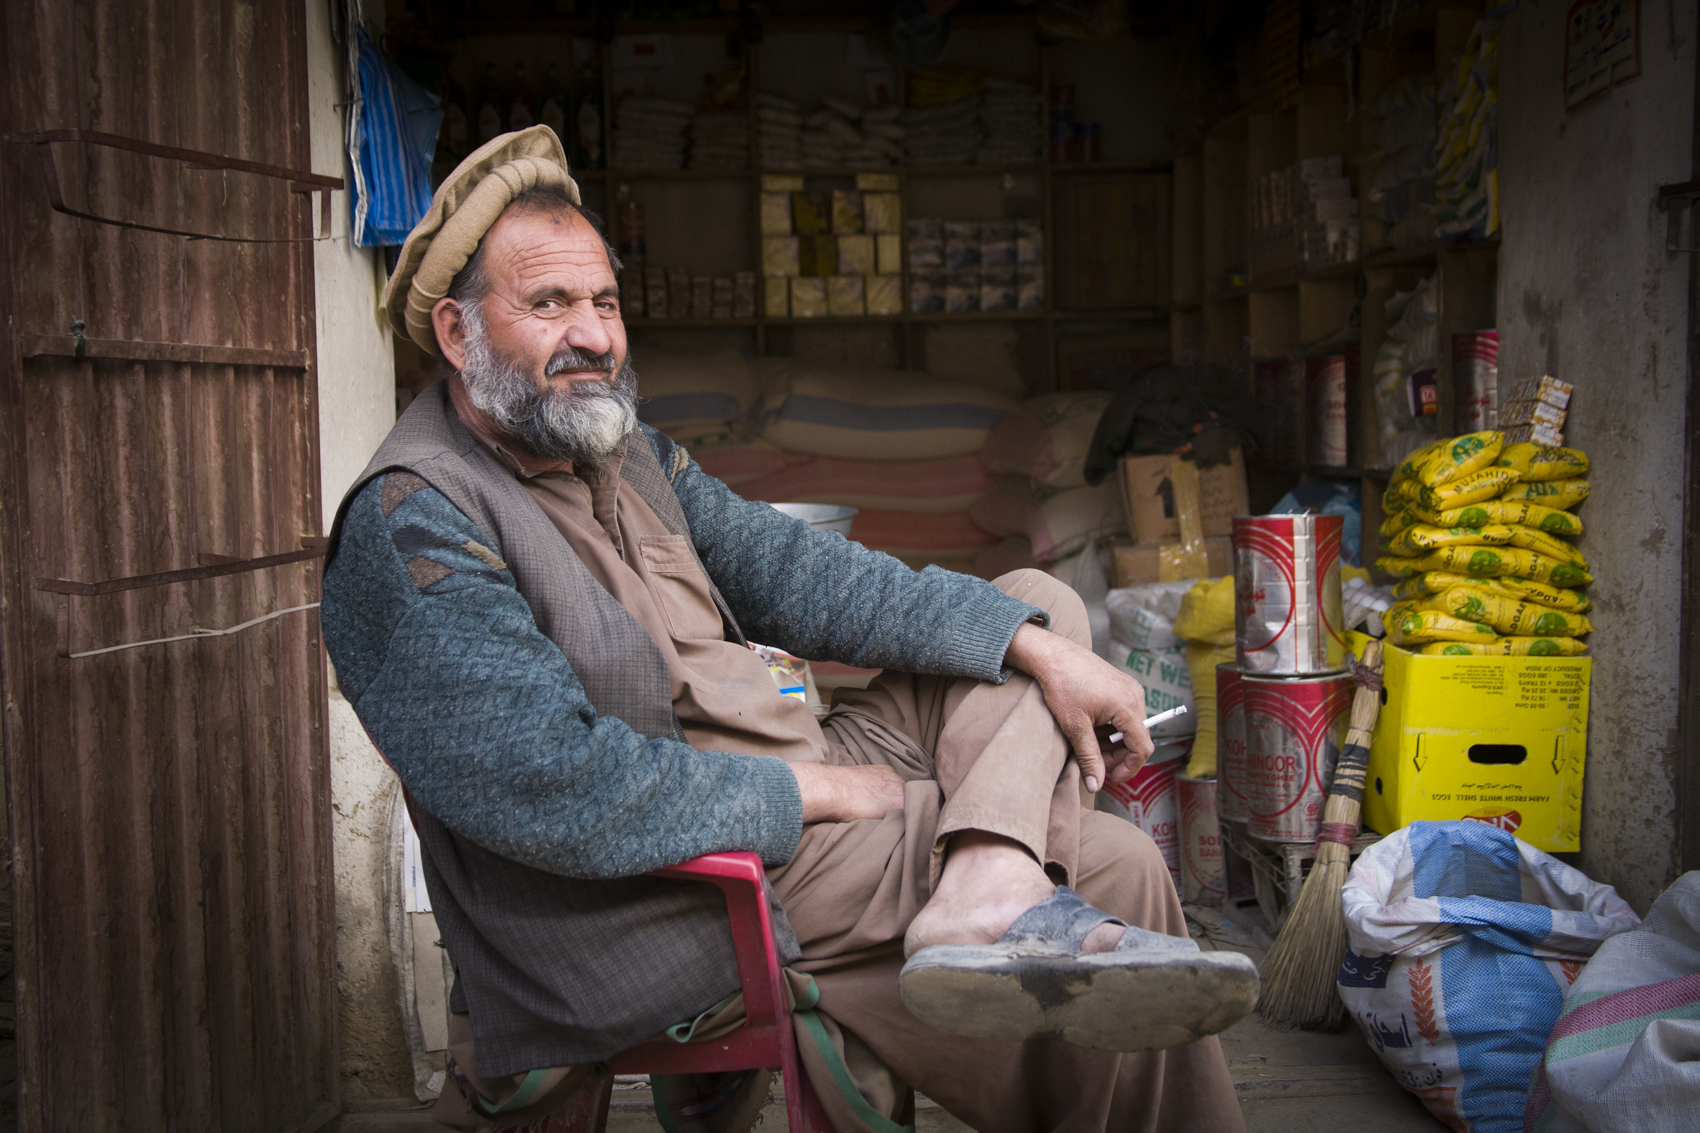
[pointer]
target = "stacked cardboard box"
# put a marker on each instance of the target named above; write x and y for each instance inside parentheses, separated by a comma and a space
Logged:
(1535, 411)
(831, 252)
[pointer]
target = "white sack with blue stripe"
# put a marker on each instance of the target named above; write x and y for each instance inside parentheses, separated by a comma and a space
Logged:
(1463, 943)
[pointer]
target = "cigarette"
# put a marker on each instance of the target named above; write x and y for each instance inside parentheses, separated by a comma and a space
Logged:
(1153, 721)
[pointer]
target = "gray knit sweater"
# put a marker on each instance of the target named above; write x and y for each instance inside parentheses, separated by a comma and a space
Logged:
(482, 717)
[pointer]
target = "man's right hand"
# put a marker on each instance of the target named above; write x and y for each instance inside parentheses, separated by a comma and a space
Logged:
(844, 794)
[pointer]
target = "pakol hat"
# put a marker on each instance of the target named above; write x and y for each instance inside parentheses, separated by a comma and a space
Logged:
(465, 206)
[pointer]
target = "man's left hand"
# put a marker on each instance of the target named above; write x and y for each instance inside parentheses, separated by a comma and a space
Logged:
(1084, 691)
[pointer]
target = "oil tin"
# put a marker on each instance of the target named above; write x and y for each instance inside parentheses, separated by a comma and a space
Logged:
(1203, 879)
(1230, 744)
(1150, 801)
(1325, 395)
(1475, 380)
(1287, 617)
(1294, 730)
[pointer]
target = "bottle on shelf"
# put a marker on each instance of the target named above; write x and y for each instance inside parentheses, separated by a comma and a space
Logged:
(553, 111)
(490, 103)
(588, 118)
(522, 101)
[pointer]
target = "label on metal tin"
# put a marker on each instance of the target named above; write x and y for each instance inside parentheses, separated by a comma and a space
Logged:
(1230, 743)
(1287, 609)
(1294, 732)
(1203, 876)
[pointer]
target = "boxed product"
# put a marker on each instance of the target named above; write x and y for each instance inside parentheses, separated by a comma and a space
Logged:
(702, 296)
(926, 292)
(844, 296)
(1150, 499)
(846, 212)
(997, 289)
(811, 213)
(884, 294)
(1498, 740)
(776, 214)
(678, 293)
(888, 253)
(808, 297)
(926, 245)
(882, 213)
(878, 182)
(1140, 564)
(961, 244)
(744, 295)
(817, 255)
(856, 255)
(780, 255)
(782, 182)
(655, 293)
(776, 296)
(721, 305)
(962, 291)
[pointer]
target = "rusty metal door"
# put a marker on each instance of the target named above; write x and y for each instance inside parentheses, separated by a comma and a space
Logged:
(163, 681)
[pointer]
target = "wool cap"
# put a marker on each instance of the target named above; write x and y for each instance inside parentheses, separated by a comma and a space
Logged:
(464, 208)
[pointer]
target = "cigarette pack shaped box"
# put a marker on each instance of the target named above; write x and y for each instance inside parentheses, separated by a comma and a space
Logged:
(781, 255)
(888, 253)
(818, 255)
(846, 212)
(776, 214)
(1554, 392)
(678, 293)
(1030, 289)
(846, 296)
(1029, 242)
(1545, 414)
(884, 294)
(724, 289)
(702, 297)
(926, 292)
(961, 245)
(782, 182)
(655, 292)
(776, 296)
(811, 213)
(882, 212)
(808, 297)
(856, 255)
(962, 291)
(997, 289)
(997, 244)
(879, 182)
(632, 295)
(744, 295)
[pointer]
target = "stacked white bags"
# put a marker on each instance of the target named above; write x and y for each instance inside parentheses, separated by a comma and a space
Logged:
(832, 139)
(1011, 113)
(943, 135)
(649, 133)
(720, 141)
(779, 132)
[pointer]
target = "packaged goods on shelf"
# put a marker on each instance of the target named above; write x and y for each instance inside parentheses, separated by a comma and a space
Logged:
(720, 140)
(1475, 380)
(962, 291)
(845, 296)
(1535, 411)
(811, 213)
(655, 293)
(776, 214)
(744, 295)
(1466, 184)
(856, 255)
(926, 245)
(846, 212)
(1421, 586)
(1011, 114)
(926, 292)
(947, 134)
(817, 255)
(776, 296)
(678, 293)
(1401, 194)
(1555, 493)
(961, 244)
(649, 133)
(808, 297)
(888, 253)
(882, 213)
(702, 297)
(884, 294)
(1029, 289)
(721, 304)
(997, 289)
(779, 132)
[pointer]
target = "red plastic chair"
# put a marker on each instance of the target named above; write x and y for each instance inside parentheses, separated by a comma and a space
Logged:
(766, 1041)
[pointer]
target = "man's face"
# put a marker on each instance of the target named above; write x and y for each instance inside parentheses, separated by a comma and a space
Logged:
(544, 351)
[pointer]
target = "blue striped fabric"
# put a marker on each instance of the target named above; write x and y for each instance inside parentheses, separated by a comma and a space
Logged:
(394, 140)
(688, 407)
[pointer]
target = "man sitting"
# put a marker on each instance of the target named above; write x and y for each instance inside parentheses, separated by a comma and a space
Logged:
(539, 608)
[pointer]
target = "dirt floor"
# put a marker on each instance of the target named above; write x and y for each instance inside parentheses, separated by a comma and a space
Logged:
(1287, 1081)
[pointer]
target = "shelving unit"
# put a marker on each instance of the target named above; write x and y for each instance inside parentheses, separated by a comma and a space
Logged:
(1236, 321)
(706, 221)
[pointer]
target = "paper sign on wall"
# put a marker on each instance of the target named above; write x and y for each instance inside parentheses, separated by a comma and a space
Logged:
(1602, 47)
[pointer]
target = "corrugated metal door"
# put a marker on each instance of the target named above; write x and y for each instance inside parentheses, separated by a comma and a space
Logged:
(163, 680)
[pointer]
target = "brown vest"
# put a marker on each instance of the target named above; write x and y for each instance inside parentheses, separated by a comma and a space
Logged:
(557, 971)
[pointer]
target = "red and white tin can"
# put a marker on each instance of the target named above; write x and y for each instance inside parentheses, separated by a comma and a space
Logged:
(1151, 802)
(1203, 877)
(1294, 730)
(1325, 391)
(1230, 744)
(1287, 616)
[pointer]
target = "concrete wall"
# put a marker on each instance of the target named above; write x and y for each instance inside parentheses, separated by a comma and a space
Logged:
(1588, 294)
(356, 408)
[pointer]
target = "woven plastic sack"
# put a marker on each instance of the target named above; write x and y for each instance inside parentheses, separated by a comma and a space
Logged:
(1167, 681)
(1144, 616)
(1626, 1052)
(1463, 943)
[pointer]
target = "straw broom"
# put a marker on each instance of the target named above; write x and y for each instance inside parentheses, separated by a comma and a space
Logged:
(1301, 969)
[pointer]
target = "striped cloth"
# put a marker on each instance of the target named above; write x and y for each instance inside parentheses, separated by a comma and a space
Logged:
(392, 139)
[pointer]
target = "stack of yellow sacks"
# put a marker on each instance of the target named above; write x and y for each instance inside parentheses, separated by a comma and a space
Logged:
(1476, 529)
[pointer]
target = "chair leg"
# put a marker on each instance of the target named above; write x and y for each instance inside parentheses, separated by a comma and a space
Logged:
(803, 1110)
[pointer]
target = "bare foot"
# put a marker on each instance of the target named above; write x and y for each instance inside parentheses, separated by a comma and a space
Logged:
(988, 881)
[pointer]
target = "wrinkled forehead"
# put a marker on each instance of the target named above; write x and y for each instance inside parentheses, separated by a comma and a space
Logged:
(532, 247)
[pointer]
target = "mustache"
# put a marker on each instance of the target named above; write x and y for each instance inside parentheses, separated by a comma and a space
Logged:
(571, 358)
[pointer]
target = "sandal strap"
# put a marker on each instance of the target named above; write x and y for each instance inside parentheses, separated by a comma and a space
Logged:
(1063, 921)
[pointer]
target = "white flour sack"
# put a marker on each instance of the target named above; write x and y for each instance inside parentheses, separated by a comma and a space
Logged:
(1167, 683)
(1463, 943)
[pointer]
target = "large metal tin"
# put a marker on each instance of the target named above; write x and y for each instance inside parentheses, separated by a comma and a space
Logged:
(1325, 392)
(1230, 744)
(1203, 880)
(1294, 729)
(1287, 616)
(1149, 800)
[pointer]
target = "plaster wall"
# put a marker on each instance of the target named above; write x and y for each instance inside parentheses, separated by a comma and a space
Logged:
(356, 408)
(1587, 293)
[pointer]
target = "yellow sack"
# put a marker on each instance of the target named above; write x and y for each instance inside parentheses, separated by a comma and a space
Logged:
(1418, 627)
(1506, 613)
(1452, 458)
(1549, 545)
(1420, 538)
(1509, 647)
(1489, 562)
(1401, 519)
(1421, 586)
(1564, 494)
(1207, 614)
(1393, 499)
(1201, 662)
(1525, 512)
(1544, 462)
(1471, 489)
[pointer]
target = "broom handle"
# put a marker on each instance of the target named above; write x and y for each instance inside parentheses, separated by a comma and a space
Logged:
(1346, 794)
